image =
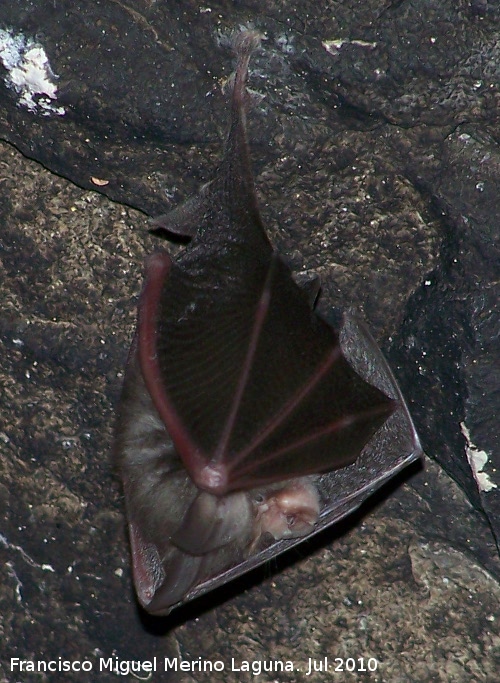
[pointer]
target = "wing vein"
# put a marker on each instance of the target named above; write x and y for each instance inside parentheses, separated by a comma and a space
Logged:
(339, 424)
(291, 405)
(260, 316)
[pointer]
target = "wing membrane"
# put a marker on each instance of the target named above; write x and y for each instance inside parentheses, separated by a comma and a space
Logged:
(253, 381)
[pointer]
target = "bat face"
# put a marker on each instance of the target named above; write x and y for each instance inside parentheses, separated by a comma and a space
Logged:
(246, 422)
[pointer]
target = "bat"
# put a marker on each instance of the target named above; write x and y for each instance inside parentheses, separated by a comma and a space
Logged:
(246, 422)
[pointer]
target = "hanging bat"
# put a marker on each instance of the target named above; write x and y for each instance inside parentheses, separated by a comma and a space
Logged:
(246, 422)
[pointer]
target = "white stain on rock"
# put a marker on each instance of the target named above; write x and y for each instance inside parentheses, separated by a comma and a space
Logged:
(333, 47)
(477, 461)
(29, 73)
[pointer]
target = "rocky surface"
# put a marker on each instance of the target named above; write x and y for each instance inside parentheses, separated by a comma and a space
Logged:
(376, 158)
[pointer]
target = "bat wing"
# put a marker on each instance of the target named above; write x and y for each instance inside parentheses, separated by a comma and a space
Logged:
(252, 385)
(186, 542)
(246, 423)
(395, 446)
